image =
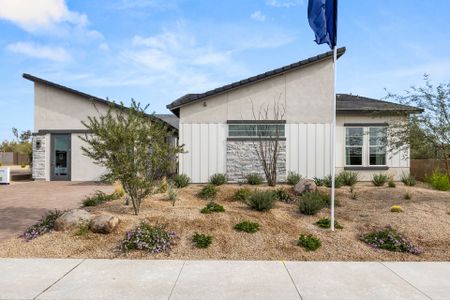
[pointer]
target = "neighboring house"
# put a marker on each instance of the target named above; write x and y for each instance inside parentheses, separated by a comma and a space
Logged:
(58, 112)
(219, 130)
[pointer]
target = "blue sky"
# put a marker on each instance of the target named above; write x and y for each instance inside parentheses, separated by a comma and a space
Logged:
(157, 50)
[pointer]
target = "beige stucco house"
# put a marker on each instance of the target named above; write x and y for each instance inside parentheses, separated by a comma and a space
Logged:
(218, 128)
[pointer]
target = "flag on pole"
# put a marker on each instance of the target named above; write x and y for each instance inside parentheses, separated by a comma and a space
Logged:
(322, 17)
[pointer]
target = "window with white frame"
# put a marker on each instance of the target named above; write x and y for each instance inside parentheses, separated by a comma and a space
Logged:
(256, 130)
(365, 146)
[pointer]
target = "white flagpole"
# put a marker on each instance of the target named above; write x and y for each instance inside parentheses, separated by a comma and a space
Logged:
(333, 139)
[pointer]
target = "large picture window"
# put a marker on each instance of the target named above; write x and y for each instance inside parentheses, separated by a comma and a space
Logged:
(365, 146)
(256, 130)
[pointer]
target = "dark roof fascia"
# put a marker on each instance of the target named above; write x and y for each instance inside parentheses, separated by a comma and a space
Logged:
(190, 98)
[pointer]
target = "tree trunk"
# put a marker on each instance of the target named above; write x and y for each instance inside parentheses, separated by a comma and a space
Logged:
(447, 167)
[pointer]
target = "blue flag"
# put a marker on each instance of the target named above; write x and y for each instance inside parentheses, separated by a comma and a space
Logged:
(322, 17)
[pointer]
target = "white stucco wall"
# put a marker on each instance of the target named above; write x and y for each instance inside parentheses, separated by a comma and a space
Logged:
(83, 168)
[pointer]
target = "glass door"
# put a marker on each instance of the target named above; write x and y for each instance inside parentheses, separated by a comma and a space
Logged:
(60, 157)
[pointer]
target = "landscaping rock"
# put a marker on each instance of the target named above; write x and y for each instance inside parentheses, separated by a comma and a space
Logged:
(104, 223)
(72, 218)
(304, 186)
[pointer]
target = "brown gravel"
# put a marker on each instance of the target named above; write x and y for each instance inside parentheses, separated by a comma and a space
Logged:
(425, 222)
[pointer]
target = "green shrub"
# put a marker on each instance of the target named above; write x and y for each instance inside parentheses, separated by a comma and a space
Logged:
(82, 230)
(212, 207)
(44, 225)
(318, 181)
(247, 226)
(389, 239)
(309, 242)
(391, 183)
(326, 223)
(348, 178)
(408, 180)
(326, 199)
(151, 238)
(254, 179)
(181, 180)
(311, 203)
(262, 200)
(283, 195)
(337, 181)
(202, 240)
(242, 194)
(218, 179)
(293, 178)
(439, 181)
(379, 179)
(208, 192)
(99, 197)
(172, 194)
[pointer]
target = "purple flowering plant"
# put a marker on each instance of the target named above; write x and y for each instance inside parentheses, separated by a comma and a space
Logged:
(151, 238)
(44, 225)
(391, 240)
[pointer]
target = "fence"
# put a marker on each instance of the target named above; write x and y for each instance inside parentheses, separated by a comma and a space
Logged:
(13, 158)
(421, 168)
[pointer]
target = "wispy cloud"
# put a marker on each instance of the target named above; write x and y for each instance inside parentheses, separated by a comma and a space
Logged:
(258, 16)
(284, 3)
(57, 54)
(132, 4)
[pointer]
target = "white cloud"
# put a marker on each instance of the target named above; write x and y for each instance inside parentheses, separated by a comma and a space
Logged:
(39, 14)
(57, 54)
(284, 3)
(258, 16)
(131, 4)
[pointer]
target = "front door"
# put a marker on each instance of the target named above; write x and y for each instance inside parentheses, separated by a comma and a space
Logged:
(60, 157)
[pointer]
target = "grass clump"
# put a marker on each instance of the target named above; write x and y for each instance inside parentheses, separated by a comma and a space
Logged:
(262, 200)
(293, 178)
(99, 197)
(181, 180)
(247, 226)
(348, 178)
(407, 196)
(311, 203)
(208, 192)
(389, 239)
(396, 209)
(309, 242)
(326, 223)
(327, 181)
(242, 194)
(439, 181)
(283, 195)
(218, 179)
(151, 238)
(254, 179)
(172, 194)
(318, 181)
(391, 183)
(44, 225)
(408, 180)
(379, 179)
(202, 241)
(82, 230)
(212, 207)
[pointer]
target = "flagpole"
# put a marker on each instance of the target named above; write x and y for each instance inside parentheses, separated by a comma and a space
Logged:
(333, 140)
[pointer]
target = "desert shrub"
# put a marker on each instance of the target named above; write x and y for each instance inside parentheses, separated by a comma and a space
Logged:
(208, 192)
(212, 207)
(389, 239)
(318, 181)
(254, 179)
(311, 203)
(202, 240)
(326, 199)
(337, 181)
(439, 181)
(326, 223)
(181, 180)
(247, 226)
(99, 197)
(262, 200)
(172, 194)
(407, 196)
(293, 178)
(82, 230)
(309, 242)
(218, 179)
(163, 186)
(396, 208)
(118, 190)
(242, 194)
(283, 195)
(348, 178)
(391, 183)
(379, 179)
(44, 225)
(151, 238)
(408, 180)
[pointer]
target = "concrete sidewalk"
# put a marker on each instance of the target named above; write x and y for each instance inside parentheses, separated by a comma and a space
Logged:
(175, 279)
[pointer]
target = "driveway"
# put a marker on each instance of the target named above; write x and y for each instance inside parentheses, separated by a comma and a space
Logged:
(24, 203)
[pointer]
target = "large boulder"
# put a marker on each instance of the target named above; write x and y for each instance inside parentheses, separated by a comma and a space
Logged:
(104, 223)
(71, 219)
(304, 186)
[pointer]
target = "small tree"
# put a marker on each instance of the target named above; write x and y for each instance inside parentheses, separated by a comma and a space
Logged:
(133, 147)
(432, 127)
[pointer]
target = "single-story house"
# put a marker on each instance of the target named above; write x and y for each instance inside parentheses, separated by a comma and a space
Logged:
(218, 128)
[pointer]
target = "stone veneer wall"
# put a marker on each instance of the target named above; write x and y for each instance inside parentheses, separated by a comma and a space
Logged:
(38, 169)
(242, 160)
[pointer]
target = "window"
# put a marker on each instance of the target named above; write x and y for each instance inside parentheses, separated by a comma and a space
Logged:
(365, 146)
(256, 130)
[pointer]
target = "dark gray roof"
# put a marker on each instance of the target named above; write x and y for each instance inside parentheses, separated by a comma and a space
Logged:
(189, 98)
(169, 119)
(347, 103)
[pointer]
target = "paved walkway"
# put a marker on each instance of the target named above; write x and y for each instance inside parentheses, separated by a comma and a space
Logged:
(24, 203)
(175, 279)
